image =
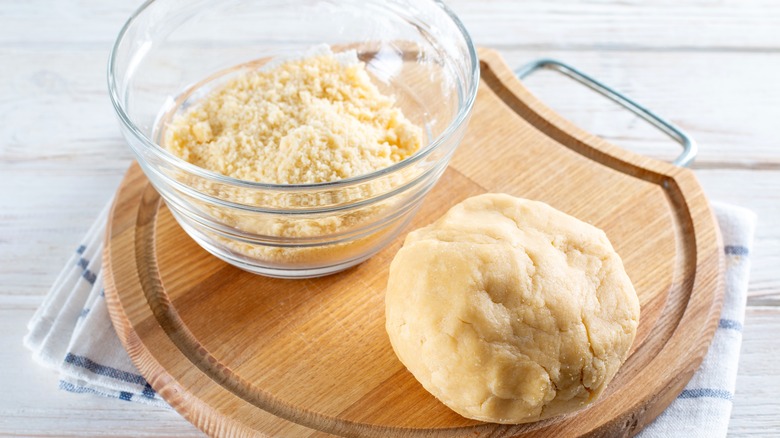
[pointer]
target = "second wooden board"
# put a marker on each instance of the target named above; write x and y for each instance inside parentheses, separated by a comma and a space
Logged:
(239, 354)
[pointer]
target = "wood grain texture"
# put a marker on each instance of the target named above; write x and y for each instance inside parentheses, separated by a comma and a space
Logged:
(238, 354)
(755, 402)
(735, 25)
(689, 100)
(717, 80)
(665, 25)
(25, 412)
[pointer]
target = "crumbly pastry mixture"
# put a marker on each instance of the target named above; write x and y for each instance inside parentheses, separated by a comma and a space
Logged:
(310, 120)
(510, 311)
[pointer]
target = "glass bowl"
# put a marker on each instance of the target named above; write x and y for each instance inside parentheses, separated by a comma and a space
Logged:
(170, 52)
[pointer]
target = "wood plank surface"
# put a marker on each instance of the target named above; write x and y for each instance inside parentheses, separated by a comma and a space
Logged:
(708, 65)
(631, 25)
(635, 25)
(755, 402)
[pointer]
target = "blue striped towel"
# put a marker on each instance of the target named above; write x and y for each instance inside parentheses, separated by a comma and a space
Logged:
(703, 408)
(71, 332)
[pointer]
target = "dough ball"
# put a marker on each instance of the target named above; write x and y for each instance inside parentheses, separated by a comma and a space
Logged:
(510, 311)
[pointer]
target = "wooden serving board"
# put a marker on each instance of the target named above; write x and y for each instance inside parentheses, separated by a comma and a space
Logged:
(239, 354)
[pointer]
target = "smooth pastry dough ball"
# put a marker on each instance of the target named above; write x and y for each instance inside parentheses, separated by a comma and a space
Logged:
(510, 311)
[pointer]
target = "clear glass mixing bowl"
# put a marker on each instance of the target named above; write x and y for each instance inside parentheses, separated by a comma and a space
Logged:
(170, 52)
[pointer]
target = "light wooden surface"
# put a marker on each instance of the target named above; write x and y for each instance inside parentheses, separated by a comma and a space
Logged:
(708, 65)
(172, 324)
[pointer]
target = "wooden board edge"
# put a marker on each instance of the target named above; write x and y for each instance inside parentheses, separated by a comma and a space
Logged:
(682, 187)
(173, 392)
(664, 173)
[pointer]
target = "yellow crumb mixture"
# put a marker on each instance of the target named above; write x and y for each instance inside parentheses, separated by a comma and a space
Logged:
(305, 121)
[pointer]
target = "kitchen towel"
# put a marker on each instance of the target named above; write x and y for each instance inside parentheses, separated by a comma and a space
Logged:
(703, 409)
(71, 332)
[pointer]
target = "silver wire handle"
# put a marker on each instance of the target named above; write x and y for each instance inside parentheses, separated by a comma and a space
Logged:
(690, 149)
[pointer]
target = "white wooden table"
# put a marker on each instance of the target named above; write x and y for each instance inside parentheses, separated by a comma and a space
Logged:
(710, 66)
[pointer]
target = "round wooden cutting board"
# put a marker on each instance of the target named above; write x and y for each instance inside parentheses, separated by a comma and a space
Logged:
(239, 354)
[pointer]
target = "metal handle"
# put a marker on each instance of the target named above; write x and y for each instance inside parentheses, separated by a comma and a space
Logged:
(690, 148)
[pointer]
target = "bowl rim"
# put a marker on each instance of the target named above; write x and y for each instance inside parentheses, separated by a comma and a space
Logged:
(460, 118)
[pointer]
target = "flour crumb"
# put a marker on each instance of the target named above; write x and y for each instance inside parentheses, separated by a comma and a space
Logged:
(296, 121)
